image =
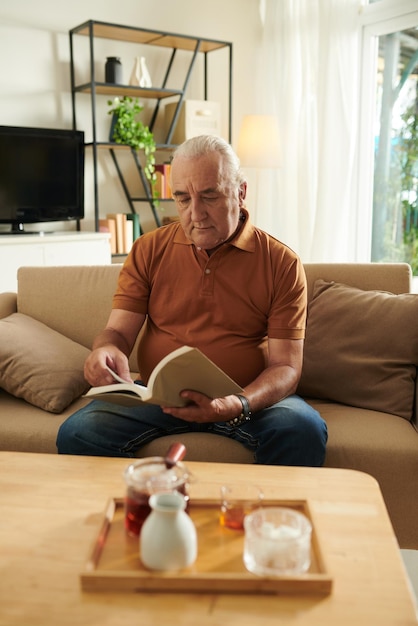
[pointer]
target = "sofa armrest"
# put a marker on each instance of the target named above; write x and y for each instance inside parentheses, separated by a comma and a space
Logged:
(8, 304)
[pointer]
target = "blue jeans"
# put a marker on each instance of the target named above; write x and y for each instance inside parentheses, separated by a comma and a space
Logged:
(288, 433)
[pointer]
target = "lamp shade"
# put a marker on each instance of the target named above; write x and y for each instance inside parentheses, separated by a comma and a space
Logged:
(258, 142)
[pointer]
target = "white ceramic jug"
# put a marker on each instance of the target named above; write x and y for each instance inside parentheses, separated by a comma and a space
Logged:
(168, 539)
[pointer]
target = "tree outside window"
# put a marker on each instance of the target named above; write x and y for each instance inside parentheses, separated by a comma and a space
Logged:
(395, 196)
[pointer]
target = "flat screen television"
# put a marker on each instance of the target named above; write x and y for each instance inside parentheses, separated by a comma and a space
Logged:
(41, 176)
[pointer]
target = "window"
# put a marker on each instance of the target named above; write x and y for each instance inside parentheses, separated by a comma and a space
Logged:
(389, 131)
(395, 189)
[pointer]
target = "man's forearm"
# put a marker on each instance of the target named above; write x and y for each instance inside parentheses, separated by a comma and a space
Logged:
(272, 385)
(111, 337)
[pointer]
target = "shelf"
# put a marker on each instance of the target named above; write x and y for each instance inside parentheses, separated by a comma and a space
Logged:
(146, 36)
(107, 89)
(192, 44)
(144, 199)
(107, 145)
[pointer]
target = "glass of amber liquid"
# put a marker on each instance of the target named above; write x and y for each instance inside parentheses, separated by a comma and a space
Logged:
(145, 477)
(237, 502)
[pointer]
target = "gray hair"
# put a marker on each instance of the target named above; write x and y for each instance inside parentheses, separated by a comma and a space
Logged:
(204, 144)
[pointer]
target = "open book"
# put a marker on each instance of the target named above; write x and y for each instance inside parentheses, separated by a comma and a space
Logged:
(184, 368)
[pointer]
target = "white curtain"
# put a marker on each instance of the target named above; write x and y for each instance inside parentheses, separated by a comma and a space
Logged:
(309, 78)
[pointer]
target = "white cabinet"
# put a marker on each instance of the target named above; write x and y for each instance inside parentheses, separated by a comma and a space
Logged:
(72, 248)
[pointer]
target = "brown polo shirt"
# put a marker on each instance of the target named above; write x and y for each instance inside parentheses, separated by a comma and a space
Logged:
(250, 288)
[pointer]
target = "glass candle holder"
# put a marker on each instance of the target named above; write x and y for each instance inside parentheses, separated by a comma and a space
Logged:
(277, 542)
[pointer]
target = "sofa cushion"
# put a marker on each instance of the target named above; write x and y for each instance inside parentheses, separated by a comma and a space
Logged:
(361, 348)
(39, 364)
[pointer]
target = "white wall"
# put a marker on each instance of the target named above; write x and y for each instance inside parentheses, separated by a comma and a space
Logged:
(35, 74)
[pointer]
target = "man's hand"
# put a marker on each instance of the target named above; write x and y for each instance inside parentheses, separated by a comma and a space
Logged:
(204, 410)
(111, 347)
(96, 367)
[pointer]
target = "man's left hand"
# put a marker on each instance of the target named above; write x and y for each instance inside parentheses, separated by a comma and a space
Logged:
(203, 410)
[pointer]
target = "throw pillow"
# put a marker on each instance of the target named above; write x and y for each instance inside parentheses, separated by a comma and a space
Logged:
(39, 364)
(361, 348)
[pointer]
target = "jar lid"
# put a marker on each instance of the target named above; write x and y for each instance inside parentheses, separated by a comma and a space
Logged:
(152, 474)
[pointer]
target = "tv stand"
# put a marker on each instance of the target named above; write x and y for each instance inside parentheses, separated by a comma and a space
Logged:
(19, 232)
(17, 228)
(65, 248)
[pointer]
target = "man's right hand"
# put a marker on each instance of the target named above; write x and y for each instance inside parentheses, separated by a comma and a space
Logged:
(111, 347)
(96, 367)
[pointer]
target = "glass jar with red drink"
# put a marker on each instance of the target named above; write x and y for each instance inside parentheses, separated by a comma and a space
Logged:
(146, 477)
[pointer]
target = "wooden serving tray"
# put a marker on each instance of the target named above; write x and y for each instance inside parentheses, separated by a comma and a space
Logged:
(114, 563)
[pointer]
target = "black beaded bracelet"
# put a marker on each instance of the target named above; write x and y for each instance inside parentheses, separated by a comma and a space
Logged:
(245, 414)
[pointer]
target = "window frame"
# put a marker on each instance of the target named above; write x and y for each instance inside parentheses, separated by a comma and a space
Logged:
(377, 19)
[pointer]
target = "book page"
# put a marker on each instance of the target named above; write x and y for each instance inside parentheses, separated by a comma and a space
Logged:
(188, 368)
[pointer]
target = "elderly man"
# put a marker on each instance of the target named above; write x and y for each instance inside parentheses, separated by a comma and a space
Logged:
(215, 282)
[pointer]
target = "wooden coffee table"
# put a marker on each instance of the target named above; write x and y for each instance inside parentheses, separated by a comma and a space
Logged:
(52, 507)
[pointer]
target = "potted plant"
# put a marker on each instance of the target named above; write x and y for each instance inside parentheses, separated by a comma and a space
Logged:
(126, 129)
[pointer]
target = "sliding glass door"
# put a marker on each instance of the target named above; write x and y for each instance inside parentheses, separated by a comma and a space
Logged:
(395, 189)
(389, 134)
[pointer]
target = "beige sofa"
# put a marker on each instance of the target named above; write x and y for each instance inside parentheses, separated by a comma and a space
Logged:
(361, 355)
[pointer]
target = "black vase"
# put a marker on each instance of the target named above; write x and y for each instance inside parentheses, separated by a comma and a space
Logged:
(113, 70)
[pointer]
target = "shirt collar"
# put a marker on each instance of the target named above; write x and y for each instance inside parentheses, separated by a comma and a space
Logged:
(244, 239)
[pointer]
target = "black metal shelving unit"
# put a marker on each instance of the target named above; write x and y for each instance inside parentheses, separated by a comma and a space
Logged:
(194, 45)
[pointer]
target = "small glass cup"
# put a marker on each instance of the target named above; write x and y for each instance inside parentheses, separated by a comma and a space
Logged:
(145, 477)
(236, 502)
(277, 542)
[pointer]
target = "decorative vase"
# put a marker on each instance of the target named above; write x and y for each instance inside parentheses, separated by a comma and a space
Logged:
(168, 539)
(145, 78)
(113, 70)
(140, 76)
(136, 73)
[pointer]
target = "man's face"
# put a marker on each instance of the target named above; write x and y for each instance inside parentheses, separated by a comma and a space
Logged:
(208, 204)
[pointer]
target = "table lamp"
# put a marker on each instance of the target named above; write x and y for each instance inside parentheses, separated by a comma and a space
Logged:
(258, 149)
(258, 142)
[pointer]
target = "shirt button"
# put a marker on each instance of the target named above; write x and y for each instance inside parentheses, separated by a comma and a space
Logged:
(207, 271)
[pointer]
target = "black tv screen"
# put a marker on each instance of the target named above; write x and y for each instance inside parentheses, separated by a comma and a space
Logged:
(41, 176)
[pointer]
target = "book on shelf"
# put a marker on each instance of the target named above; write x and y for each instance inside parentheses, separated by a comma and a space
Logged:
(162, 172)
(109, 226)
(120, 219)
(124, 229)
(184, 368)
(136, 228)
(128, 234)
